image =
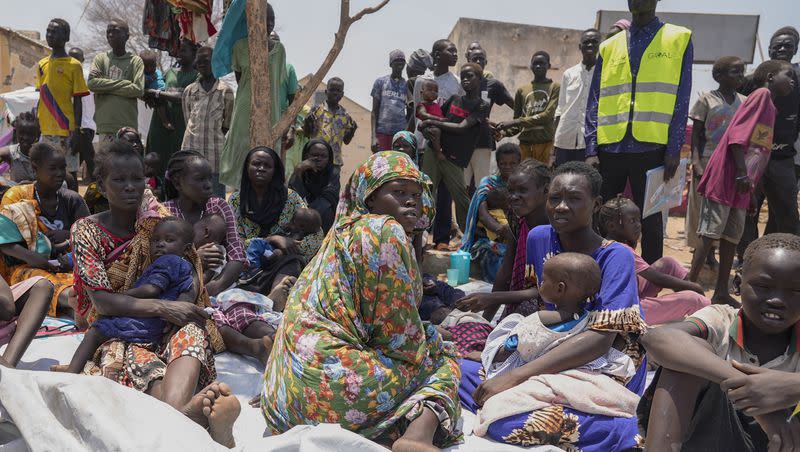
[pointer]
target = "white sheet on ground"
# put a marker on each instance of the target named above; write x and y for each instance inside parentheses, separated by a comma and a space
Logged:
(74, 412)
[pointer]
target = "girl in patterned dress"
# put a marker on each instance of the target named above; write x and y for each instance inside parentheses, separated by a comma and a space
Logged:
(352, 349)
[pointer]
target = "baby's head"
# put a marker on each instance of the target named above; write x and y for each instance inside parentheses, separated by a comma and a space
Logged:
(497, 199)
(171, 236)
(210, 229)
(568, 280)
(152, 164)
(770, 287)
(150, 60)
(429, 90)
(621, 220)
(304, 223)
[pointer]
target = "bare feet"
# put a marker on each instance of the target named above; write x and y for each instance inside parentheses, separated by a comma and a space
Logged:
(5, 363)
(280, 293)
(59, 368)
(221, 412)
(194, 409)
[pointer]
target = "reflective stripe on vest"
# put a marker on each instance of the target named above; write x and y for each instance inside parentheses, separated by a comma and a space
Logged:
(655, 87)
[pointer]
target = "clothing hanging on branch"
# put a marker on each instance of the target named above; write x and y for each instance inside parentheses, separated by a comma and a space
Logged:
(166, 22)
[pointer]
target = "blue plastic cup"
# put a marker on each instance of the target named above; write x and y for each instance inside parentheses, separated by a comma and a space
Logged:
(452, 277)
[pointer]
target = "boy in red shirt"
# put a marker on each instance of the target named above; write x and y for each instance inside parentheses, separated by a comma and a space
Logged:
(734, 171)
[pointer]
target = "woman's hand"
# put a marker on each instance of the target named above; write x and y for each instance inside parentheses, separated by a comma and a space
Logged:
(475, 302)
(57, 236)
(286, 244)
(181, 313)
(761, 391)
(211, 256)
(304, 166)
(492, 387)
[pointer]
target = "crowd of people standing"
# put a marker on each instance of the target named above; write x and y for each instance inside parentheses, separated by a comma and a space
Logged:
(193, 243)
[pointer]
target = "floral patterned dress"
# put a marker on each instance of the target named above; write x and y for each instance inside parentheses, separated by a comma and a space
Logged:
(248, 229)
(352, 348)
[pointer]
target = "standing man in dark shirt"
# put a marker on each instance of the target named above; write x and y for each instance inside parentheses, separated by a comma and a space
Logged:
(779, 181)
(465, 115)
(493, 92)
(648, 68)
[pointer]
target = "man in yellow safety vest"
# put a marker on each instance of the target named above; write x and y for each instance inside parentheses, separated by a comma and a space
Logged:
(637, 109)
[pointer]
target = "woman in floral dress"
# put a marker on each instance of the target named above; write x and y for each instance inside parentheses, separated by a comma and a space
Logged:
(352, 349)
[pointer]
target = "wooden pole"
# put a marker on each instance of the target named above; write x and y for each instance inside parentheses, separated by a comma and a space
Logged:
(260, 101)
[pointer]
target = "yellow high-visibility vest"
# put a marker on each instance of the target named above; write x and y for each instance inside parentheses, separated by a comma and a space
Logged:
(651, 97)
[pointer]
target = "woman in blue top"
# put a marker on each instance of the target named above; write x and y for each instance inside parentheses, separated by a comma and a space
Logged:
(615, 319)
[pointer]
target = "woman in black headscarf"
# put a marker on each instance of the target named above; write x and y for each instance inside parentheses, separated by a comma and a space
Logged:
(264, 208)
(316, 180)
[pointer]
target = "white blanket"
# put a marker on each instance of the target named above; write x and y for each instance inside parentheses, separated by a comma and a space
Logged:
(57, 411)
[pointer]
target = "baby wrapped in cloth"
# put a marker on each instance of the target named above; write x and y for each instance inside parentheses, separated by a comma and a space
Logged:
(596, 387)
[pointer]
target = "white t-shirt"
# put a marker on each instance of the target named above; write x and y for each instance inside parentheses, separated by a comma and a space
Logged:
(87, 118)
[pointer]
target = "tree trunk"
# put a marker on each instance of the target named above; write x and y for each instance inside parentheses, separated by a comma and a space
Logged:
(260, 99)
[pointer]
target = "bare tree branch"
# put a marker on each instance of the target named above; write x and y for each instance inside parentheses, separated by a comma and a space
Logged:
(302, 97)
(371, 10)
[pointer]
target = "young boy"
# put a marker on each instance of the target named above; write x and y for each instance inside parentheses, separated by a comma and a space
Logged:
(86, 129)
(734, 171)
(60, 82)
(117, 80)
(711, 115)
(494, 92)
(210, 229)
(430, 108)
(534, 112)
(208, 109)
(330, 121)
(153, 79)
(696, 400)
(569, 142)
(152, 169)
(26, 129)
(497, 204)
(460, 132)
(389, 104)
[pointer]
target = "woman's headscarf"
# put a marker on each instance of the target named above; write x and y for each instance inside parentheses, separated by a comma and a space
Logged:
(409, 138)
(267, 214)
(379, 169)
(314, 184)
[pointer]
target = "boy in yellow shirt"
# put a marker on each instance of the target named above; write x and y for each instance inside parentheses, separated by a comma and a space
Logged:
(59, 79)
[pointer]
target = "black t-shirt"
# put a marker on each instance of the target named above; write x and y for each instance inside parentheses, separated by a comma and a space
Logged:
(71, 208)
(787, 122)
(495, 93)
(458, 148)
